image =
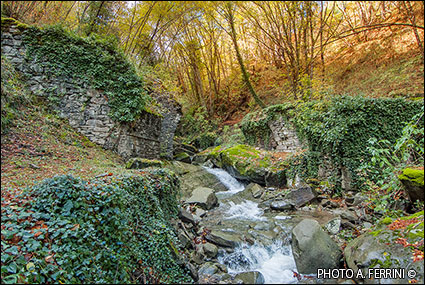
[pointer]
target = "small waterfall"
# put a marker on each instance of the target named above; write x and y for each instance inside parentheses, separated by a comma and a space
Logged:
(228, 180)
(275, 262)
(247, 210)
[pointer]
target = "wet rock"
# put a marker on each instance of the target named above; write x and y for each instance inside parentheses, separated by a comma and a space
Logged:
(255, 189)
(223, 239)
(197, 257)
(193, 176)
(301, 196)
(210, 250)
(207, 269)
(333, 226)
(186, 216)
(221, 267)
(263, 226)
(203, 197)
(281, 205)
(199, 158)
(265, 237)
(208, 163)
(219, 278)
(250, 277)
(313, 248)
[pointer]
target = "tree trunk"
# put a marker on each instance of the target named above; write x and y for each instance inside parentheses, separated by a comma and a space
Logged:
(245, 74)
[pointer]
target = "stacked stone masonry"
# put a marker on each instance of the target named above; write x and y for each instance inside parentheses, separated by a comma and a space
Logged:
(283, 136)
(86, 109)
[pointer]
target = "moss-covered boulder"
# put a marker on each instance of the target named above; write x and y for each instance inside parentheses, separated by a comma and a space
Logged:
(392, 243)
(139, 163)
(413, 181)
(182, 156)
(248, 163)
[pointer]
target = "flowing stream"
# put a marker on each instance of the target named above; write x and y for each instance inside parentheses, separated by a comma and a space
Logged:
(241, 215)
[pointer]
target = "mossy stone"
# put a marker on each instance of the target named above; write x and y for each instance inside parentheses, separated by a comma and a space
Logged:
(413, 181)
(182, 156)
(139, 163)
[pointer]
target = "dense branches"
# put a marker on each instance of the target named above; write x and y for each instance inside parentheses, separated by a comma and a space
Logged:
(202, 49)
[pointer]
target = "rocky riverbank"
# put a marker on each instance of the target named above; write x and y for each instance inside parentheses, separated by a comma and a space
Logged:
(236, 232)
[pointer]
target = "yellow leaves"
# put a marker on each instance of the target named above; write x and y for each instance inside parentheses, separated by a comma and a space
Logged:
(30, 267)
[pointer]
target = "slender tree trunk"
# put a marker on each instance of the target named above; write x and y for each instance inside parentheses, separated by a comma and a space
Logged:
(245, 74)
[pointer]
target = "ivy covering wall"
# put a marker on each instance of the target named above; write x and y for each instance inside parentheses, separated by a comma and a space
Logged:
(337, 129)
(94, 61)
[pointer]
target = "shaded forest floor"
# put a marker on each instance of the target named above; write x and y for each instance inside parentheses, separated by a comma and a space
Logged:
(41, 145)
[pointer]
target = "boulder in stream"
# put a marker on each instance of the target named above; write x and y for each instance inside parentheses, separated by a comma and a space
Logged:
(250, 277)
(280, 205)
(210, 250)
(208, 268)
(223, 239)
(301, 196)
(255, 189)
(313, 248)
(203, 197)
(193, 176)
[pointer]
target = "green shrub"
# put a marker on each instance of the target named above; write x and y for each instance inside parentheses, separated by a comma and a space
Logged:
(13, 95)
(75, 231)
(339, 129)
(197, 128)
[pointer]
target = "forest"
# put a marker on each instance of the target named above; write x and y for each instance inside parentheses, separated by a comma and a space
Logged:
(218, 142)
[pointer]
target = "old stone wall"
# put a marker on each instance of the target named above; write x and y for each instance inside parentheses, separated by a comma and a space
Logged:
(283, 136)
(87, 109)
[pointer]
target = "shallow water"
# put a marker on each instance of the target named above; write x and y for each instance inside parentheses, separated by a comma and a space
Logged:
(274, 260)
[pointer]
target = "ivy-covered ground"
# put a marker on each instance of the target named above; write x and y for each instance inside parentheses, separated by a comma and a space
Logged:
(61, 224)
(62, 230)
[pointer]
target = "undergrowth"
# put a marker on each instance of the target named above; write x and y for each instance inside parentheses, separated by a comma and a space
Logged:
(67, 230)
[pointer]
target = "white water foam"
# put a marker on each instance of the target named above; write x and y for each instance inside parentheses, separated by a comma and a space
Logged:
(247, 210)
(275, 262)
(282, 217)
(228, 180)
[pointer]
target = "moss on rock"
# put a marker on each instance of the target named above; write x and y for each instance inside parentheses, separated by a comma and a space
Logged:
(138, 163)
(248, 163)
(413, 181)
